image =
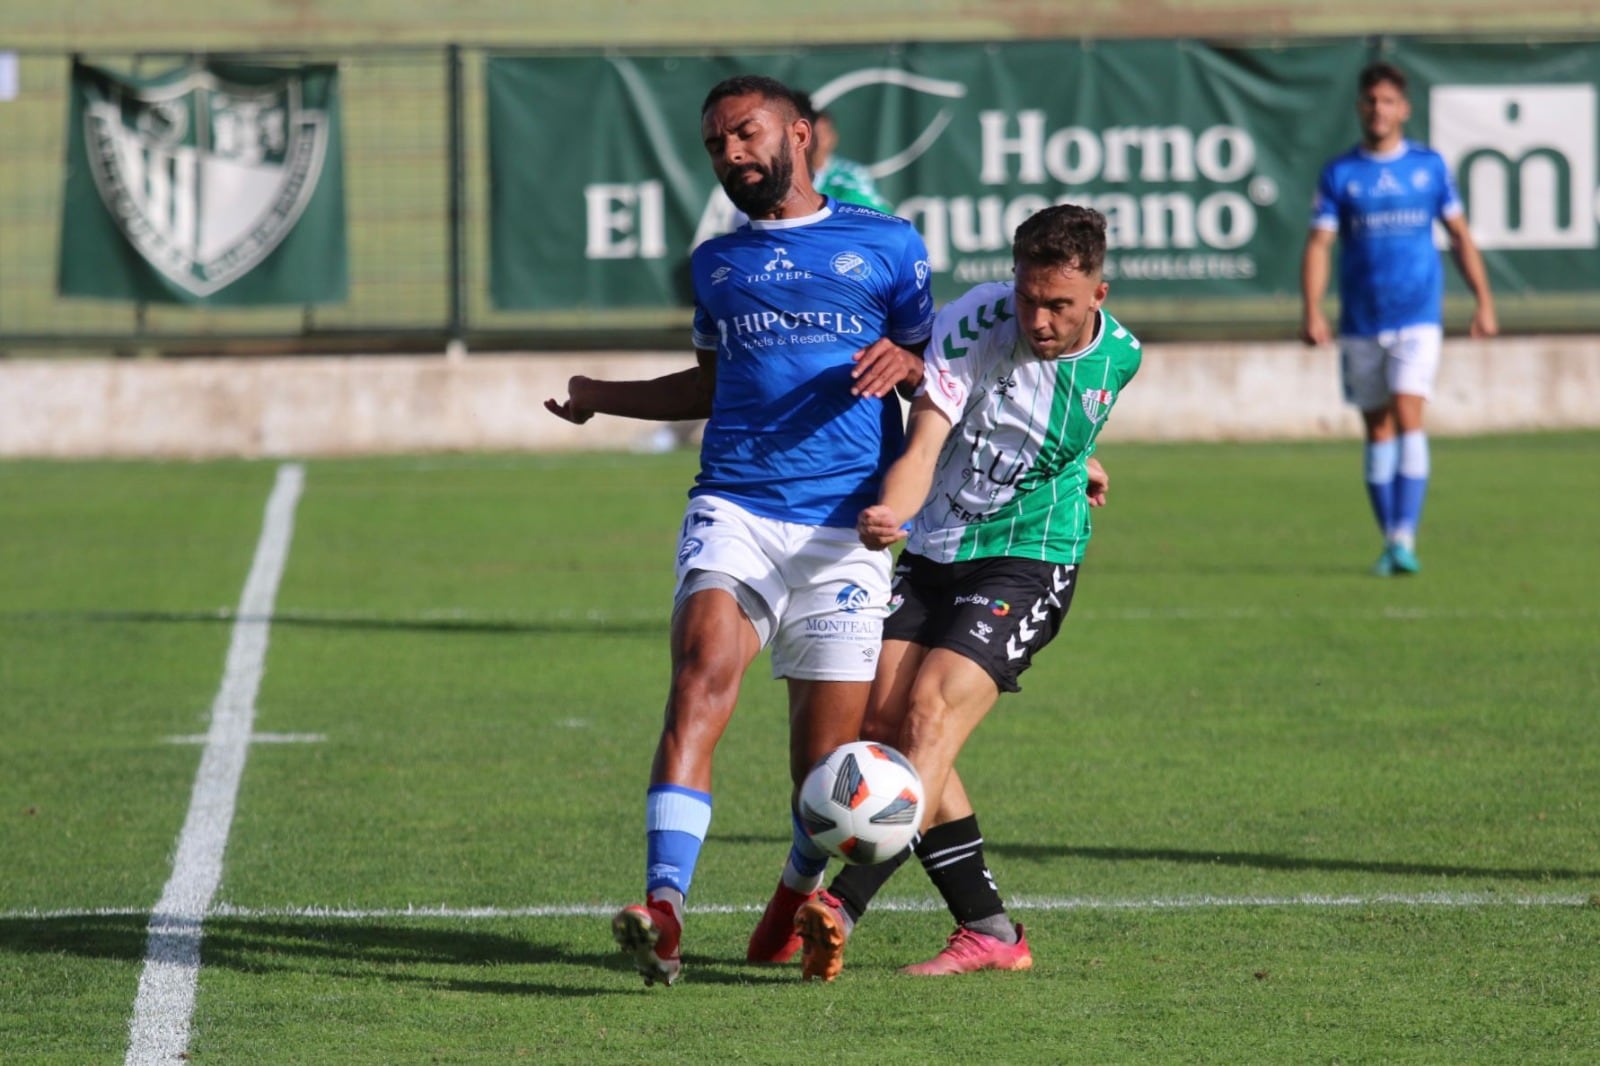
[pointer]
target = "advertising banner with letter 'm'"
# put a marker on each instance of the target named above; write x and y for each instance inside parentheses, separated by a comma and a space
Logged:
(1203, 158)
(216, 183)
(1519, 127)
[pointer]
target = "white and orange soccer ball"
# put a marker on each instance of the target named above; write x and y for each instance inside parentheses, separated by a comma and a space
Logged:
(862, 803)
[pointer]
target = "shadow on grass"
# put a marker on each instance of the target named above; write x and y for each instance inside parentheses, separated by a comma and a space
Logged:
(358, 622)
(450, 959)
(1263, 861)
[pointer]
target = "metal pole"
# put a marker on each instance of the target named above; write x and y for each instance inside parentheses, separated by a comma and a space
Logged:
(457, 344)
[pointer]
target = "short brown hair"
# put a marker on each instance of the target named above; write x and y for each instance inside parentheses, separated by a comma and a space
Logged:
(1063, 235)
(1380, 72)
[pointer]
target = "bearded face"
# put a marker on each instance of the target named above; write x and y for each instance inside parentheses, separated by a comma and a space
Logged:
(759, 195)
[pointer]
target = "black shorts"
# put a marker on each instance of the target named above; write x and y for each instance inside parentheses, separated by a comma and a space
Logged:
(996, 612)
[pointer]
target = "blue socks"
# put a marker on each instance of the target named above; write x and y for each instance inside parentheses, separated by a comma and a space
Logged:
(1382, 461)
(1410, 487)
(675, 823)
(803, 871)
(1397, 483)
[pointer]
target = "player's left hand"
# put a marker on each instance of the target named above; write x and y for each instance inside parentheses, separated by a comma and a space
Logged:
(882, 366)
(878, 527)
(1099, 482)
(1484, 322)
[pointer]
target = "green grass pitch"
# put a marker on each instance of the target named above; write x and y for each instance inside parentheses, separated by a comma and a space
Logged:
(1253, 806)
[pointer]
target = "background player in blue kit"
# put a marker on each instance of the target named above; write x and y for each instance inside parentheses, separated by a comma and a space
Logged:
(1380, 200)
(806, 320)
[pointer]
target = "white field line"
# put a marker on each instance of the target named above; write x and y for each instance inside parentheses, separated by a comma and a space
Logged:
(159, 1029)
(1045, 904)
(255, 738)
(466, 616)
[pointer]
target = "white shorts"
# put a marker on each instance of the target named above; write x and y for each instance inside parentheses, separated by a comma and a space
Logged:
(1376, 369)
(816, 594)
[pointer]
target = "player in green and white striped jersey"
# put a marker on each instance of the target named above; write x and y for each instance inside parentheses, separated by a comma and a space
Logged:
(1009, 481)
(997, 480)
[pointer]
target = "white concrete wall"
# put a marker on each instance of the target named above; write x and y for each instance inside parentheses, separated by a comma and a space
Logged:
(310, 406)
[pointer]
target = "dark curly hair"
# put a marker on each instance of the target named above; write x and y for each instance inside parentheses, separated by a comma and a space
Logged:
(1062, 235)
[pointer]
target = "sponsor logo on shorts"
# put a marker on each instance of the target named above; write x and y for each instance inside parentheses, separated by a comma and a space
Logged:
(981, 601)
(842, 628)
(853, 598)
(696, 519)
(982, 631)
(1000, 608)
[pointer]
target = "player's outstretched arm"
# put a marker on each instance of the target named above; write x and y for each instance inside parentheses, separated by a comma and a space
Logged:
(1313, 285)
(906, 484)
(673, 398)
(1464, 250)
(883, 366)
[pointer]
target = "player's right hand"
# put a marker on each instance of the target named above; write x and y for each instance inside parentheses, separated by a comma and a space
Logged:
(568, 409)
(878, 527)
(1314, 328)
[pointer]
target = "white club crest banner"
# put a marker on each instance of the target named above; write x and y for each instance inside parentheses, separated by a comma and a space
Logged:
(213, 183)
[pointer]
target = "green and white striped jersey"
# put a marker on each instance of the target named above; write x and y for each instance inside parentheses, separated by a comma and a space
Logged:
(847, 180)
(1010, 480)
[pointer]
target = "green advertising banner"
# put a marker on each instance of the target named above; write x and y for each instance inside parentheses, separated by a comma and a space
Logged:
(1519, 127)
(1202, 159)
(215, 183)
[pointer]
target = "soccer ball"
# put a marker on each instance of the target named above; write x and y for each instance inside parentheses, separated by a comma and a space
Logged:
(863, 803)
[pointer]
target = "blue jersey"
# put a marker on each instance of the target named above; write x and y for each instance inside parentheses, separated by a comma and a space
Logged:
(786, 304)
(1384, 208)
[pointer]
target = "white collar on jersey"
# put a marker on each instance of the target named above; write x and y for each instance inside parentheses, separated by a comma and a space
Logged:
(1385, 157)
(791, 223)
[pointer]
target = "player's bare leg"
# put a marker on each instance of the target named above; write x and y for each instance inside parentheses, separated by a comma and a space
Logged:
(951, 696)
(822, 716)
(820, 920)
(712, 645)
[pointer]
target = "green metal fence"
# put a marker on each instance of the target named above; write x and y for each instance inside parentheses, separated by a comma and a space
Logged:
(416, 184)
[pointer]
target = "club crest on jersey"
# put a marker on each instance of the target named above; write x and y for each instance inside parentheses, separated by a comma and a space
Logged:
(852, 265)
(1096, 402)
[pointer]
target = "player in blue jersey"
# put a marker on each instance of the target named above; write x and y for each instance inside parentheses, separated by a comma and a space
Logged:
(806, 321)
(1380, 200)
